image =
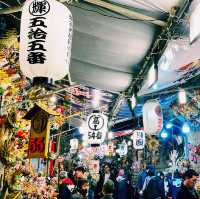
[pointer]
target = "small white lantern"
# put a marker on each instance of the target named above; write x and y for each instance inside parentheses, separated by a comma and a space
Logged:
(74, 144)
(152, 117)
(45, 39)
(138, 139)
(97, 124)
(123, 149)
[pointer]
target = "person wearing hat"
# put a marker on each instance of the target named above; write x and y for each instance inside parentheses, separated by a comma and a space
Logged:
(187, 190)
(108, 189)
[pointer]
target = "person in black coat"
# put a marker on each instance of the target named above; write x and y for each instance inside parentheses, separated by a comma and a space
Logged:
(155, 187)
(104, 176)
(187, 190)
(122, 186)
(64, 192)
(108, 190)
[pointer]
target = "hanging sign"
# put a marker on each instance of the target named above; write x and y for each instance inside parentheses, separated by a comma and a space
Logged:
(110, 148)
(122, 149)
(38, 143)
(39, 133)
(93, 166)
(97, 128)
(45, 46)
(152, 117)
(138, 139)
(73, 145)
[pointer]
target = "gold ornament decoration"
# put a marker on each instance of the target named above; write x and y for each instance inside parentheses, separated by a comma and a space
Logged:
(153, 144)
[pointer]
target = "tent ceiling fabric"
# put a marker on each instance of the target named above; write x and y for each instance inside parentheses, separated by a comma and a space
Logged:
(158, 6)
(106, 51)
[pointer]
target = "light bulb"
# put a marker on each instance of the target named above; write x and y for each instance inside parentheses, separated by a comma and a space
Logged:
(169, 125)
(186, 128)
(133, 101)
(53, 99)
(164, 134)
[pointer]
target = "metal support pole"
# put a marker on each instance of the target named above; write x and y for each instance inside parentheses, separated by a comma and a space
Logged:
(115, 8)
(126, 12)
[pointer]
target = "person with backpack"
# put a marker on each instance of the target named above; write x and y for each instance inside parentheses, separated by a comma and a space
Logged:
(154, 186)
(150, 172)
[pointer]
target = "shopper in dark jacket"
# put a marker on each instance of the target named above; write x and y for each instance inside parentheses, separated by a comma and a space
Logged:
(108, 189)
(64, 192)
(104, 176)
(187, 190)
(122, 186)
(155, 187)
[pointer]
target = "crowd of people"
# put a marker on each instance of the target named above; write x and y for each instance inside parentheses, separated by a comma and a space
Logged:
(115, 180)
(117, 184)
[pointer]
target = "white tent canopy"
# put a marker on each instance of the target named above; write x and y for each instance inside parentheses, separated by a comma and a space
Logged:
(109, 48)
(107, 51)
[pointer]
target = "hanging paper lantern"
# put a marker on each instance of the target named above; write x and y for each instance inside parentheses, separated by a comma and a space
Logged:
(74, 144)
(138, 139)
(45, 45)
(96, 128)
(152, 117)
(122, 149)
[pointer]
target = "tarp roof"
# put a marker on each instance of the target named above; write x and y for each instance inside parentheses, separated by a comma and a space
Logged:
(109, 48)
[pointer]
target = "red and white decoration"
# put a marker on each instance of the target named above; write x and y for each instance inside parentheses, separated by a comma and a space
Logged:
(152, 117)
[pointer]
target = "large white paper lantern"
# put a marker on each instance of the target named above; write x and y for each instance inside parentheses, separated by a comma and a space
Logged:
(97, 124)
(152, 117)
(138, 139)
(45, 39)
